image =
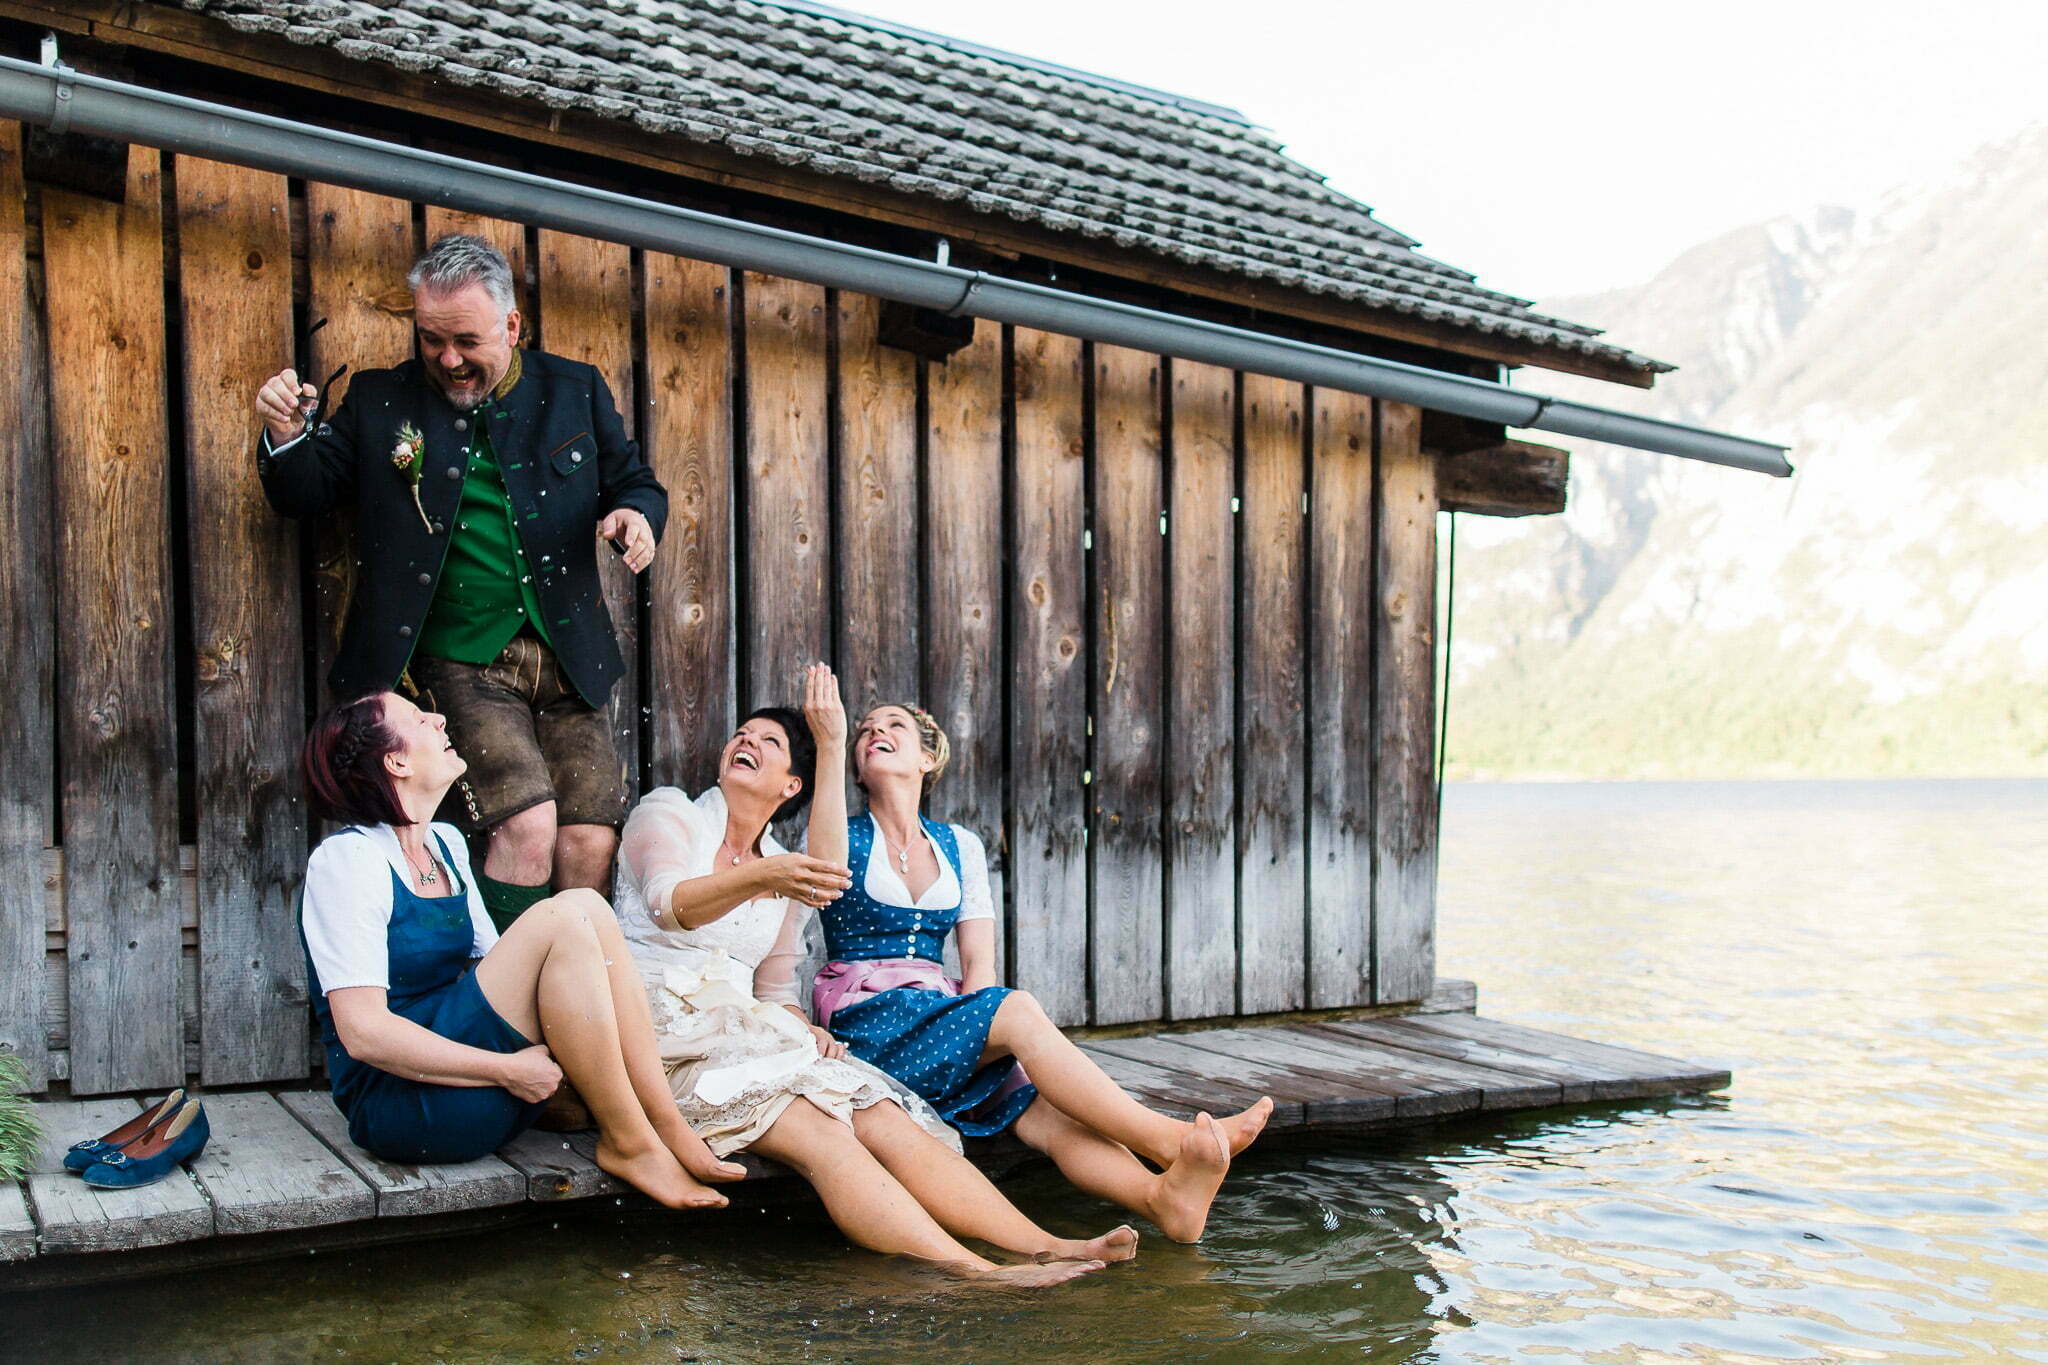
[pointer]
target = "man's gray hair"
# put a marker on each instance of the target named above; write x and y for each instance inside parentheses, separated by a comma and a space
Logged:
(459, 260)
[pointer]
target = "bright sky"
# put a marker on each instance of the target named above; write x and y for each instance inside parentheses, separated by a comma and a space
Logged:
(1561, 146)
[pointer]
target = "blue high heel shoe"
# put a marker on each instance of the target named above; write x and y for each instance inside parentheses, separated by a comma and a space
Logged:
(156, 1154)
(84, 1154)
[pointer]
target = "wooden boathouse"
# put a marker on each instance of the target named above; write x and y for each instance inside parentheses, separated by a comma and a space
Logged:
(1177, 616)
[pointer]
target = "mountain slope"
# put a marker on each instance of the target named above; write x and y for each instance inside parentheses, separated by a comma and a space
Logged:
(1882, 611)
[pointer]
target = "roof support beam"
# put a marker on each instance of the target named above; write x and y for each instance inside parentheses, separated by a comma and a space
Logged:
(1512, 479)
(219, 132)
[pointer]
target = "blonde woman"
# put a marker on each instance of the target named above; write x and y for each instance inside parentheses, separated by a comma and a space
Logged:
(959, 1044)
(714, 909)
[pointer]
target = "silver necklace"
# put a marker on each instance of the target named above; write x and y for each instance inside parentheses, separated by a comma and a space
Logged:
(902, 854)
(430, 876)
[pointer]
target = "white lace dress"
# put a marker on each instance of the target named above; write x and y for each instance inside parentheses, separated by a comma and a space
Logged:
(735, 1056)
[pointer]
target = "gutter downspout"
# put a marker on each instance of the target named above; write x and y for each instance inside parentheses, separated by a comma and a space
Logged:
(131, 113)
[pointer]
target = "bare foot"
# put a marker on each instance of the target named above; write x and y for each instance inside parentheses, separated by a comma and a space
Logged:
(656, 1173)
(697, 1159)
(1240, 1130)
(1118, 1244)
(1036, 1274)
(1182, 1193)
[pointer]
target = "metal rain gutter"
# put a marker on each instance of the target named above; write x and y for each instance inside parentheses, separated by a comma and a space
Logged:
(62, 99)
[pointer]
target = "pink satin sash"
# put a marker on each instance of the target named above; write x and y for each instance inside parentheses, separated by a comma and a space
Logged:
(848, 983)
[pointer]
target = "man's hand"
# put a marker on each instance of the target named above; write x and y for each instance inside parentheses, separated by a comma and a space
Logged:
(281, 405)
(624, 523)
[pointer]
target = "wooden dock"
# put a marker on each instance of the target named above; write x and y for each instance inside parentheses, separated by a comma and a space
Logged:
(280, 1175)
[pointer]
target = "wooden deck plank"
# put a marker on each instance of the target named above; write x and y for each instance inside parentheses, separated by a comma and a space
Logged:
(408, 1191)
(281, 1167)
(1287, 1071)
(17, 1225)
(1497, 1089)
(72, 1216)
(559, 1165)
(1194, 1080)
(265, 1172)
(1622, 1061)
(1574, 1085)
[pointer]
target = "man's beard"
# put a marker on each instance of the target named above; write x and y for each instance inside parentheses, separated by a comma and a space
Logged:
(468, 400)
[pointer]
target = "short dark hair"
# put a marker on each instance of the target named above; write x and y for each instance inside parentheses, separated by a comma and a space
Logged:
(342, 765)
(803, 754)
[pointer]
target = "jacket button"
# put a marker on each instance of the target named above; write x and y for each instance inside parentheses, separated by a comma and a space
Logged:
(575, 457)
(462, 424)
(454, 471)
(425, 579)
(405, 631)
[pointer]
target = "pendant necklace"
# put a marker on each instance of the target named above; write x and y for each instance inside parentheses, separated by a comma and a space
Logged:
(430, 876)
(725, 845)
(902, 854)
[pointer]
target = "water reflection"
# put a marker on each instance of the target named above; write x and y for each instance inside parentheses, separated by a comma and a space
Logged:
(1861, 955)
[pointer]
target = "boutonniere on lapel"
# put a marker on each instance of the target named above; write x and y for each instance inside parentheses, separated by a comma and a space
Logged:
(409, 458)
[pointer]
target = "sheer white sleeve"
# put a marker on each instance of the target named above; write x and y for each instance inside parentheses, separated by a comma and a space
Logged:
(976, 900)
(346, 912)
(775, 979)
(657, 849)
(484, 933)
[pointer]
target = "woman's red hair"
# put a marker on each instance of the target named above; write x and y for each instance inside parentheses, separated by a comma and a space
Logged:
(343, 765)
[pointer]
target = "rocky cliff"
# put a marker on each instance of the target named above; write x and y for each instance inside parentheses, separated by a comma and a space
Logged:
(1885, 610)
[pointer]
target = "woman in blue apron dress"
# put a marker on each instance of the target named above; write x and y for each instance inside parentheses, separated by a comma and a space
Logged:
(985, 1056)
(442, 1037)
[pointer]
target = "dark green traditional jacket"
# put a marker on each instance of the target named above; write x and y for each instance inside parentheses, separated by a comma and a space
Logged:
(565, 461)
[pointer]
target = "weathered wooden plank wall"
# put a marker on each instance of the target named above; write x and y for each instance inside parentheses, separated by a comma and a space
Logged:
(1201, 696)
(964, 559)
(692, 622)
(1340, 702)
(1272, 742)
(27, 627)
(235, 294)
(1127, 883)
(1049, 675)
(586, 305)
(116, 716)
(881, 608)
(1176, 621)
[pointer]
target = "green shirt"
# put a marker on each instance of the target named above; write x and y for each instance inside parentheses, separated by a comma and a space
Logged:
(486, 592)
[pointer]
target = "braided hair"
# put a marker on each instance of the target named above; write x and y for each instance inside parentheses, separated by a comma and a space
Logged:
(343, 765)
(930, 738)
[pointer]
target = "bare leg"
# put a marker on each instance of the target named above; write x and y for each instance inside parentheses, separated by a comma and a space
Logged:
(583, 857)
(547, 978)
(522, 847)
(1064, 1074)
(637, 1045)
(1176, 1200)
(963, 1200)
(872, 1209)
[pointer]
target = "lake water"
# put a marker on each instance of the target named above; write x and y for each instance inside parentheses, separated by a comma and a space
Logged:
(1865, 958)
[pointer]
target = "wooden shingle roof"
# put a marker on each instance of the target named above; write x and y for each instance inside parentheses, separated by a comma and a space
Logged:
(837, 94)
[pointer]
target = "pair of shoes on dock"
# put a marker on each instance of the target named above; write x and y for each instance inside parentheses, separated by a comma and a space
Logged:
(145, 1149)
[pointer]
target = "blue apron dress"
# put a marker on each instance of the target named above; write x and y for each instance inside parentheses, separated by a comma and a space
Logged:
(429, 940)
(925, 1038)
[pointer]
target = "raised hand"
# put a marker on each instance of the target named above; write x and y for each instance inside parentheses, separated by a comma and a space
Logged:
(801, 877)
(823, 708)
(281, 405)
